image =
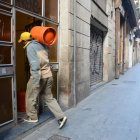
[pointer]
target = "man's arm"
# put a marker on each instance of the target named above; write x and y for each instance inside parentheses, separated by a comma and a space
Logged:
(35, 66)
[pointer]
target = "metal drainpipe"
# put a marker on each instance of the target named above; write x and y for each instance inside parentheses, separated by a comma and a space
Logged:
(75, 42)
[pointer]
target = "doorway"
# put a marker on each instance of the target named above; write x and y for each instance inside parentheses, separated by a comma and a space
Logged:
(96, 55)
(24, 23)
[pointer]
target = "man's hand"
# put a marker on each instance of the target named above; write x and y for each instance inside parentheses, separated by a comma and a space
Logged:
(34, 88)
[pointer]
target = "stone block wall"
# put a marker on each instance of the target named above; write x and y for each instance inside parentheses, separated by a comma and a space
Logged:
(83, 48)
(86, 9)
(109, 44)
(66, 52)
(66, 61)
(102, 3)
(135, 53)
(128, 48)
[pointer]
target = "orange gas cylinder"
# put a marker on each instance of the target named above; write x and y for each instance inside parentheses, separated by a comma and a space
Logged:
(44, 35)
(21, 101)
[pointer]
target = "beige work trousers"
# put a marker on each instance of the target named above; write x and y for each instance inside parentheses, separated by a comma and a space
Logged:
(45, 90)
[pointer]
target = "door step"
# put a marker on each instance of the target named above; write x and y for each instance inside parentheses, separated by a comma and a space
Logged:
(24, 129)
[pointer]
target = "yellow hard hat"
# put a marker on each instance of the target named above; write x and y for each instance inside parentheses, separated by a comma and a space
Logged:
(25, 36)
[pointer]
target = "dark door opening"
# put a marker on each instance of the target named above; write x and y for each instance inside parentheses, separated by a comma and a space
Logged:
(24, 23)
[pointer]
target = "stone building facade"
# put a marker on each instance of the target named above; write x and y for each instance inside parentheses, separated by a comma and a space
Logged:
(112, 19)
(66, 51)
(96, 43)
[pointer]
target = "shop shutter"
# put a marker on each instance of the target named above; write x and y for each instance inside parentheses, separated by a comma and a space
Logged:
(96, 56)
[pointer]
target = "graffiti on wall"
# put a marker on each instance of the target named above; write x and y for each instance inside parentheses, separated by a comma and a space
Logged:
(96, 54)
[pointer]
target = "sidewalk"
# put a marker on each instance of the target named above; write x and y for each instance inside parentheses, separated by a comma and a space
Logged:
(111, 113)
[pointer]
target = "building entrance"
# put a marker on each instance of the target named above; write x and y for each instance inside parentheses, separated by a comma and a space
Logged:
(16, 17)
(96, 55)
(6, 70)
(24, 23)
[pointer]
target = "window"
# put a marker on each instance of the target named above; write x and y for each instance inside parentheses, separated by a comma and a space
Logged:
(5, 8)
(5, 55)
(8, 1)
(51, 9)
(34, 6)
(5, 28)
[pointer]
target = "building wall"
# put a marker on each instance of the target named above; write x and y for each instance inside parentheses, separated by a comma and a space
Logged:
(83, 48)
(135, 53)
(111, 40)
(130, 54)
(109, 36)
(128, 48)
(138, 50)
(66, 51)
(98, 14)
(121, 47)
(102, 4)
(101, 17)
(86, 10)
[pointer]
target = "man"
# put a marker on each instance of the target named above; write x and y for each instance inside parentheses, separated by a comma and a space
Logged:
(41, 80)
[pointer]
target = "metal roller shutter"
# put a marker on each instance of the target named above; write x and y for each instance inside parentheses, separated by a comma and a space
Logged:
(96, 55)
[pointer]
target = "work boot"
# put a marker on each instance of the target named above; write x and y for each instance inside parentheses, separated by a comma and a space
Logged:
(30, 120)
(62, 122)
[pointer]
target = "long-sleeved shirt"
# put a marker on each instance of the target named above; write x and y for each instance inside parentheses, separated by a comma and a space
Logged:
(39, 63)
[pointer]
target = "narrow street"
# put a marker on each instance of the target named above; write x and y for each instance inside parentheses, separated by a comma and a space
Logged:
(110, 113)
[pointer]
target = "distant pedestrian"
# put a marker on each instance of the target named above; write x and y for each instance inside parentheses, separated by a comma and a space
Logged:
(41, 80)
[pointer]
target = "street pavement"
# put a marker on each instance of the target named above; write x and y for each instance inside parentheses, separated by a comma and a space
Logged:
(110, 113)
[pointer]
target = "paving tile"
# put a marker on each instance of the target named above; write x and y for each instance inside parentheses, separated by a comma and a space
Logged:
(36, 136)
(111, 113)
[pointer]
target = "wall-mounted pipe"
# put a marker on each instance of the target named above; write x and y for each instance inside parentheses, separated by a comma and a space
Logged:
(75, 50)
